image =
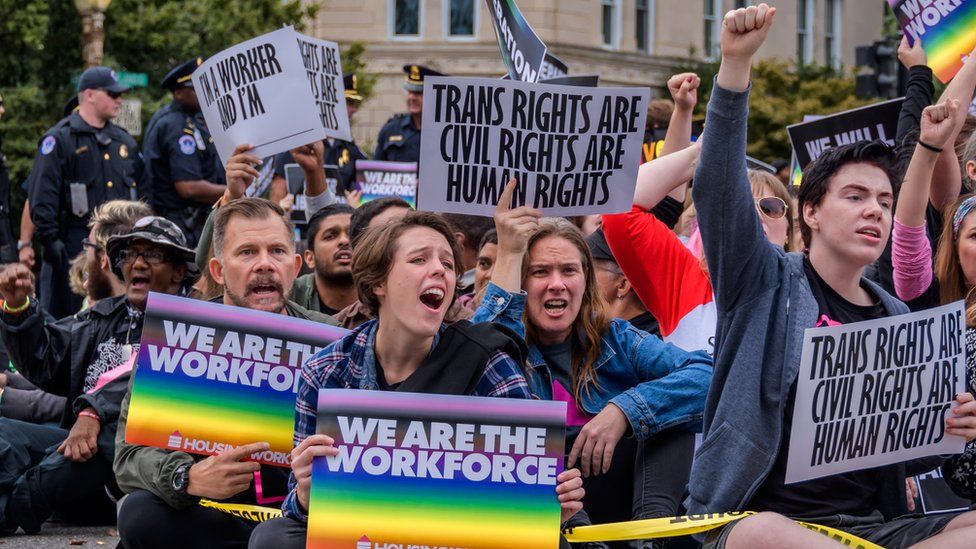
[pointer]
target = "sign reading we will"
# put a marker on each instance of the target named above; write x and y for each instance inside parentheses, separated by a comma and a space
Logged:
(877, 392)
(811, 138)
(211, 377)
(423, 470)
(573, 150)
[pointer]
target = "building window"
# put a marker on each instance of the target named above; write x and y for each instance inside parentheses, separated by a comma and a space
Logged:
(645, 25)
(610, 23)
(804, 32)
(460, 18)
(406, 18)
(742, 3)
(713, 28)
(832, 33)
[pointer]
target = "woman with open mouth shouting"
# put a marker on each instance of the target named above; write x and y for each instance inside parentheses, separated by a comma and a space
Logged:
(406, 273)
(633, 401)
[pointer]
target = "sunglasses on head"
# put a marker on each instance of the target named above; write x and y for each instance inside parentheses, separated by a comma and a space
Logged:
(772, 207)
(112, 94)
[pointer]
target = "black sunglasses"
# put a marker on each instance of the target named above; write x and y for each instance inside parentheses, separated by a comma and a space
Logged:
(112, 94)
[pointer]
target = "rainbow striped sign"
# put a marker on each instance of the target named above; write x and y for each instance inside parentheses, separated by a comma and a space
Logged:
(420, 470)
(380, 178)
(947, 30)
(211, 377)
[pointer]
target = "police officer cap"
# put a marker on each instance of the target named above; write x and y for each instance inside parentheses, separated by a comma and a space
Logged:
(415, 77)
(101, 78)
(159, 231)
(350, 83)
(179, 76)
(70, 106)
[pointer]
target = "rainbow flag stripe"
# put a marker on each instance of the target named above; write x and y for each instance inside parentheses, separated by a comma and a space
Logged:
(369, 511)
(947, 36)
(201, 413)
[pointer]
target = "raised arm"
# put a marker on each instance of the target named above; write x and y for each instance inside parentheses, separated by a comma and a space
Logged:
(666, 175)
(947, 177)
(684, 91)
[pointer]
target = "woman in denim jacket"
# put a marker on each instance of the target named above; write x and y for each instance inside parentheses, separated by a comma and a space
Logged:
(624, 388)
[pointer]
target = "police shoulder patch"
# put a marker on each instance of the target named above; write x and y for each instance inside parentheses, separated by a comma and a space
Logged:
(187, 144)
(47, 145)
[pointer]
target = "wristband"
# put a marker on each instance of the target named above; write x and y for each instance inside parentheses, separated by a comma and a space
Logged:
(92, 415)
(15, 310)
(925, 145)
(21, 244)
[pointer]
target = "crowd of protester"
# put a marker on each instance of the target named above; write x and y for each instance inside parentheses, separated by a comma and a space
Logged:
(684, 315)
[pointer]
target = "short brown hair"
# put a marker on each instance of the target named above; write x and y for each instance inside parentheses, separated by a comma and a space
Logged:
(372, 257)
(116, 217)
(659, 113)
(250, 208)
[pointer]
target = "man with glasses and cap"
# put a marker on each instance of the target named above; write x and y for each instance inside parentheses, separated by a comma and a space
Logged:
(86, 358)
(399, 140)
(83, 161)
(183, 171)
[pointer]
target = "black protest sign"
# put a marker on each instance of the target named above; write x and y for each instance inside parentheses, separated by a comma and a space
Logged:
(878, 121)
(877, 392)
(295, 181)
(522, 50)
(574, 150)
(935, 496)
(553, 67)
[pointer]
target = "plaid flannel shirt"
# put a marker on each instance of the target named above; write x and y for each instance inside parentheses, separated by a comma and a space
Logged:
(350, 363)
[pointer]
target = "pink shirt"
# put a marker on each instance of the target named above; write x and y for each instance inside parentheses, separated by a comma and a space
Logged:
(911, 259)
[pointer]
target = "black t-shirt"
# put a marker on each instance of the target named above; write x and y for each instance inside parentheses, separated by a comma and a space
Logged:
(325, 308)
(847, 493)
(646, 321)
(381, 380)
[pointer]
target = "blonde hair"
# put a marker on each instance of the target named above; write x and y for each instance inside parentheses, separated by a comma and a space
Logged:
(116, 217)
(593, 320)
(948, 270)
(761, 180)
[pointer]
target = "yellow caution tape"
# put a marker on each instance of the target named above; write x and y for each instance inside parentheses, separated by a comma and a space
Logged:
(253, 513)
(668, 527)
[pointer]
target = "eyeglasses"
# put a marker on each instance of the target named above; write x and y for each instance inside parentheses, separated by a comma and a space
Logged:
(112, 94)
(152, 257)
(772, 207)
(89, 244)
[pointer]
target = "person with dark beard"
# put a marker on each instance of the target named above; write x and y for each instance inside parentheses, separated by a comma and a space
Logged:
(328, 289)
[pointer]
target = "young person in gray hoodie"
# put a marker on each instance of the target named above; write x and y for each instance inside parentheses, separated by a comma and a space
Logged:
(765, 300)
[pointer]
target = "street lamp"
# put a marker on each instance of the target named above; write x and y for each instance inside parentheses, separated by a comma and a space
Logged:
(92, 30)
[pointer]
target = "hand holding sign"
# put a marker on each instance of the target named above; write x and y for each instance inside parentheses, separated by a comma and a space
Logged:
(241, 171)
(301, 462)
(684, 90)
(225, 475)
(963, 422)
(938, 123)
(911, 56)
(515, 226)
(570, 493)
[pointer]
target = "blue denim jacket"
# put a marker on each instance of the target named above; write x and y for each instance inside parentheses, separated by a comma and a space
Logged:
(657, 385)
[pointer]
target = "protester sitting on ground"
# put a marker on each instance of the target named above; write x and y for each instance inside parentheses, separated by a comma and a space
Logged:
(329, 288)
(406, 272)
(469, 230)
(255, 263)
(674, 286)
(766, 298)
(370, 215)
(68, 357)
(955, 264)
(622, 302)
(616, 380)
(487, 252)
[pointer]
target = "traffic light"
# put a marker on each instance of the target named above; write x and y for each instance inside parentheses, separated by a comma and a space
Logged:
(877, 74)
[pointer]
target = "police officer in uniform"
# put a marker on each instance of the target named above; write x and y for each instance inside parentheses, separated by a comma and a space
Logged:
(183, 172)
(399, 140)
(338, 152)
(83, 161)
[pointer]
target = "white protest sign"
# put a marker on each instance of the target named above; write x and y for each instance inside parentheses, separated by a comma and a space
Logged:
(321, 61)
(574, 151)
(877, 392)
(257, 92)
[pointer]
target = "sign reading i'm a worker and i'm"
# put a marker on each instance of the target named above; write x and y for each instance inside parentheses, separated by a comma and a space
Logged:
(573, 150)
(877, 392)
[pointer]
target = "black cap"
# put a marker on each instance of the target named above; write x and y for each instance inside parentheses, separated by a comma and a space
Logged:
(159, 231)
(101, 78)
(599, 248)
(70, 106)
(416, 75)
(180, 75)
(349, 82)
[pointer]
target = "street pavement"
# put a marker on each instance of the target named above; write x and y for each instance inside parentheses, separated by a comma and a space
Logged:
(57, 536)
